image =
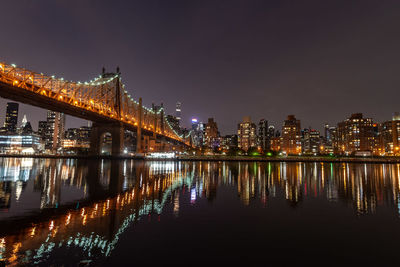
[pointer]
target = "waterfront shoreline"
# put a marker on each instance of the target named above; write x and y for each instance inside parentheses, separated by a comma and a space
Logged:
(293, 159)
(43, 156)
(225, 158)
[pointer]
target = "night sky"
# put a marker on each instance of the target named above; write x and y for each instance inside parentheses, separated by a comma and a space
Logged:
(319, 60)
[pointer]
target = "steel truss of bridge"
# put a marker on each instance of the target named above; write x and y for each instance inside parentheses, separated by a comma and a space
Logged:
(103, 100)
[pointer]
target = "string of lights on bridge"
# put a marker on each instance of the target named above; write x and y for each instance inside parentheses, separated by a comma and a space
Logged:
(63, 86)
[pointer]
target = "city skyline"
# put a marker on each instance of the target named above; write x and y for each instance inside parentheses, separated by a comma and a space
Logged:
(222, 69)
(74, 122)
(210, 133)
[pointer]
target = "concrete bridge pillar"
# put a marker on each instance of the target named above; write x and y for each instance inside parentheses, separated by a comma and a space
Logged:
(146, 141)
(97, 135)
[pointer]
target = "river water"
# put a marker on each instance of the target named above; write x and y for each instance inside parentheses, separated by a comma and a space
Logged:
(70, 212)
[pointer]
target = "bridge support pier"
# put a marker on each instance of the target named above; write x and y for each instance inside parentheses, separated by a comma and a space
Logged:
(97, 137)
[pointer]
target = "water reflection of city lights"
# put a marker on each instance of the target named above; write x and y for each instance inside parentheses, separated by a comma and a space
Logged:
(153, 185)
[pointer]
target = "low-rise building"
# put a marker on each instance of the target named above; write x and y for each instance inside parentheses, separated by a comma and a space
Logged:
(20, 143)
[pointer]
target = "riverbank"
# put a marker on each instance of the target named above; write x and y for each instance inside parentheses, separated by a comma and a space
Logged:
(293, 159)
(327, 159)
(47, 156)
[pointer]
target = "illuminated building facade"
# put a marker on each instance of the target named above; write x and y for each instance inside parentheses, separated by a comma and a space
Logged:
(197, 132)
(211, 133)
(55, 130)
(247, 136)
(20, 143)
(388, 141)
(11, 117)
(291, 136)
(355, 134)
(229, 141)
(275, 144)
(311, 142)
(329, 139)
(77, 139)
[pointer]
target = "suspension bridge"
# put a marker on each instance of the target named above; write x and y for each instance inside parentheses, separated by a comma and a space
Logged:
(103, 100)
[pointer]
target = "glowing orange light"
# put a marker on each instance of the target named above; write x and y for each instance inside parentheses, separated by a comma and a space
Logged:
(68, 219)
(33, 231)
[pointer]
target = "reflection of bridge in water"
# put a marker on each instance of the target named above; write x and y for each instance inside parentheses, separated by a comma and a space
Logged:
(95, 226)
(117, 193)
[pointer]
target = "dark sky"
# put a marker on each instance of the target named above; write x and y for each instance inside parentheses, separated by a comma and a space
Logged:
(320, 60)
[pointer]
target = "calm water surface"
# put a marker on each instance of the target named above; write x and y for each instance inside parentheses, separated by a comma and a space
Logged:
(133, 213)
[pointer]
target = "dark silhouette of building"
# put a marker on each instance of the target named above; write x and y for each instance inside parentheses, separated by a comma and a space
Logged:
(11, 117)
(42, 125)
(264, 135)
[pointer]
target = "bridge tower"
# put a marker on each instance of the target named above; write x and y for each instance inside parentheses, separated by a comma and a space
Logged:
(139, 148)
(115, 129)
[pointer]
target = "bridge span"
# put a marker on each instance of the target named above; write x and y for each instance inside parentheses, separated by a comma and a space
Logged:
(103, 100)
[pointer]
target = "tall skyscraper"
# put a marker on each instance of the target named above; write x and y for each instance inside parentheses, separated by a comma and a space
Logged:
(263, 135)
(55, 130)
(247, 136)
(197, 132)
(211, 133)
(11, 117)
(291, 136)
(178, 113)
(311, 141)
